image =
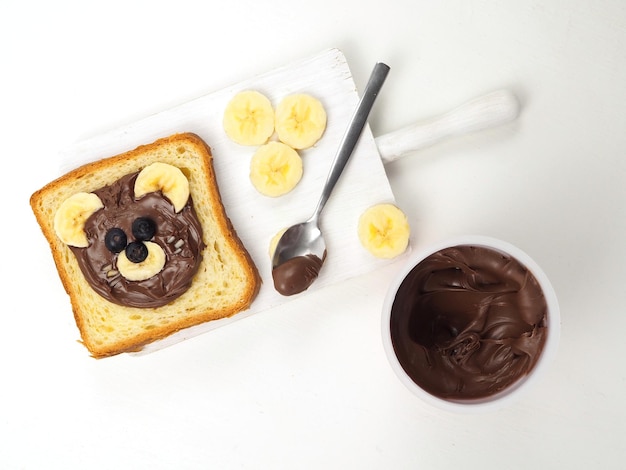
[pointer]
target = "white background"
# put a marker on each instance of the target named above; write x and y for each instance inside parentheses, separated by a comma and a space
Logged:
(306, 385)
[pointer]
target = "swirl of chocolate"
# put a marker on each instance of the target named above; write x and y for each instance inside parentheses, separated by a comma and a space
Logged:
(178, 234)
(467, 322)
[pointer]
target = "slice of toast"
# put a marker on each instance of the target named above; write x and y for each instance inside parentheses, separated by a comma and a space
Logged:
(226, 282)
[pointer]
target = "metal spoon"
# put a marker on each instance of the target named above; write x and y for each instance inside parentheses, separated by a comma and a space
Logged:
(301, 250)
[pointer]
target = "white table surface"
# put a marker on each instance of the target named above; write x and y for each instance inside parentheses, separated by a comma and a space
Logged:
(307, 385)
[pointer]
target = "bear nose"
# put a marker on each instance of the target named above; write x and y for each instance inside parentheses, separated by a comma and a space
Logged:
(136, 252)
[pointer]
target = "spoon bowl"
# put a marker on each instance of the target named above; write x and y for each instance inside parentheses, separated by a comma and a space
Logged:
(301, 250)
(300, 240)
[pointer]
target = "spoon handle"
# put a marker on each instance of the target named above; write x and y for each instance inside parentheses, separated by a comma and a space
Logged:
(353, 133)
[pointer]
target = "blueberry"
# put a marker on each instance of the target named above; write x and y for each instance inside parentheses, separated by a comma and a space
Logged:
(136, 252)
(115, 240)
(143, 228)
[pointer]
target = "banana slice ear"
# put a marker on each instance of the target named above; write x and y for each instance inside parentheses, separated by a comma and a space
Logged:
(168, 179)
(70, 218)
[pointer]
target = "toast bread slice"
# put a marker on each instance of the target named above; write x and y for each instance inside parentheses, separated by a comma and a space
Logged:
(226, 282)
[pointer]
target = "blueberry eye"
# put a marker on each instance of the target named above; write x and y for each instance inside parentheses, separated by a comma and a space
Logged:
(115, 240)
(136, 252)
(143, 228)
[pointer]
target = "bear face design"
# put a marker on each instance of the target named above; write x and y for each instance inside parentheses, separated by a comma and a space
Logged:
(138, 241)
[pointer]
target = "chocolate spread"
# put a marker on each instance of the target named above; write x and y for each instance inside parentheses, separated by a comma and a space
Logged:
(296, 274)
(467, 322)
(179, 234)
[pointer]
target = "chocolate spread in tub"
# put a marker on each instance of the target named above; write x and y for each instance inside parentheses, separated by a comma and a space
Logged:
(467, 322)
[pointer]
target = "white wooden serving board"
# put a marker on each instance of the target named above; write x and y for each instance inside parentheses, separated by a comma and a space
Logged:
(258, 218)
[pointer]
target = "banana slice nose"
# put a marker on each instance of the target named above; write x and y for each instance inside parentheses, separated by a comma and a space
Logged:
(151, 266)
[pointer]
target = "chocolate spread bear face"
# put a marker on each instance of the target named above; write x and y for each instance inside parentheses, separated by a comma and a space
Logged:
(144, 244)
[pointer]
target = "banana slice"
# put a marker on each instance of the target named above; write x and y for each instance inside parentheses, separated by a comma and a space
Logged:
(275, 169)
(152, 265)
(166, 178)
(274, 242)
(249, 118)
(300, 120)
(384, 231)
(69, 219)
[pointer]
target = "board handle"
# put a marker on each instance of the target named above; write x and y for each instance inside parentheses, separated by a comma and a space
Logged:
(490, 110)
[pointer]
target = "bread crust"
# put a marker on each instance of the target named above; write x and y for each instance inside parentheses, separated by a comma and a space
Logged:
(107, 329)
